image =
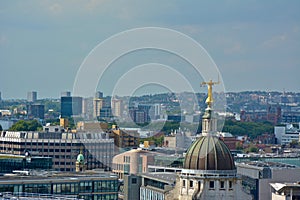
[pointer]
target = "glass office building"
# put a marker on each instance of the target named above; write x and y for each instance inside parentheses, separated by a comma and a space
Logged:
(87, 185)
(10, 162)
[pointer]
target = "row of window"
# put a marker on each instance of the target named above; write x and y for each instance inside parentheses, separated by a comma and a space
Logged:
(212, 184)
(63, 188)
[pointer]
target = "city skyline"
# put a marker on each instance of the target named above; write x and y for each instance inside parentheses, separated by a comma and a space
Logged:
(44, 43)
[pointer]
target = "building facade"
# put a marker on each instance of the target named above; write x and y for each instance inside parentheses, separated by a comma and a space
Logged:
(124, 138)
(35, 111)
(70, 106)
(256, 176)
(31, 96)
(97, 106)
(10, 162)
(87, 185)
(286, 134)
(63, 147)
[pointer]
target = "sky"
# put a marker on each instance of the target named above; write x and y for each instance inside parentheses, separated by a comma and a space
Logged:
(43, 43)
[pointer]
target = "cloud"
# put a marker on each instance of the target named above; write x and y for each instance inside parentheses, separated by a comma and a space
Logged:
(235, 48)
(274, 41)
(3, 40)
(190, 29)
(55, 8)
(94, 4)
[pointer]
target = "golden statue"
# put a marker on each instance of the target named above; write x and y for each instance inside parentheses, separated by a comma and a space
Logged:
(209, 99)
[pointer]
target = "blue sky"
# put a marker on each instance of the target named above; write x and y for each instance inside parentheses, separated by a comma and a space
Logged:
(255, 44)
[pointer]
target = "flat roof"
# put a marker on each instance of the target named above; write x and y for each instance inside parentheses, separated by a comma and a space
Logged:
(280, 187)
(266, 164)
(166, 177)
(52, 176)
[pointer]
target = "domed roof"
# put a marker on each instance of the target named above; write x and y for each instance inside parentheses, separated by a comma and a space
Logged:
(209, 153)
(80, 158)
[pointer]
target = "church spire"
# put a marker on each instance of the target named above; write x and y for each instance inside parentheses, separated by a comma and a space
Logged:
(209, 122)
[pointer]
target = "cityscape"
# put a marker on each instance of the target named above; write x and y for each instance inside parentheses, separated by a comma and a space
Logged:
(116, 100)
(142, 157)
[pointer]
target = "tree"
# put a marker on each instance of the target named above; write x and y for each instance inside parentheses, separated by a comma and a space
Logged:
(22, 125)
(1, 128)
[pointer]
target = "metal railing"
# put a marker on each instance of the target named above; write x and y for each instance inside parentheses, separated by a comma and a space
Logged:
(34, 196)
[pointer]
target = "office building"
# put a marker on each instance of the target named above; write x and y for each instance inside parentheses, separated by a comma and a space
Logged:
(131, 188)
(31, 96)
(87, 108)
(106, 113)
(11, 162)
(62, 147)
(286, 134)
(35, 110)
(99, 95)
(65, 94)
(116, 105)
(71, 106)
(157, 111)
(135, 161)
(140, 114)
(285, 191)
(124, 138)
(256, 176)
(93, 184)
(157, 185)
(97, 106)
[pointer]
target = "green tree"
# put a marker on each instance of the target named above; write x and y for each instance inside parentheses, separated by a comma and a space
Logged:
(252, 129)
(22, 125)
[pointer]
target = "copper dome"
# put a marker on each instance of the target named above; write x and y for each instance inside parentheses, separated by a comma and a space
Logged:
(209, 153)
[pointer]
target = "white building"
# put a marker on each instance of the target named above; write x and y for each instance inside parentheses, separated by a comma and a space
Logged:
(285, 191)
(257, 176)
(286, 134)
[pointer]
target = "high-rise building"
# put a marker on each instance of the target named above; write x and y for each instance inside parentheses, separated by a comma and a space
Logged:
(99, 95)
(157, 110)
(35, 110)
(65, 94)
(97, 106)
(116, 105)
(31, 96)
(87, 108)
(71, 106)
(140, 114)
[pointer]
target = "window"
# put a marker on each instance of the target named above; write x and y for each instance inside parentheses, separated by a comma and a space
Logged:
(133, 181)
(230, 184)
(211, 184)
(222, 185)
(183, 183)
(191, 184)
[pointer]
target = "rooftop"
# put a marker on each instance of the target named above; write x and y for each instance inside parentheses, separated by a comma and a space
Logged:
(49, 176)
(166, 177)
(267, 164)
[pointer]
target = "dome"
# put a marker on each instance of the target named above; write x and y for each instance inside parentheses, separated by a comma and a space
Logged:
(80, 158)
(209, 153)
